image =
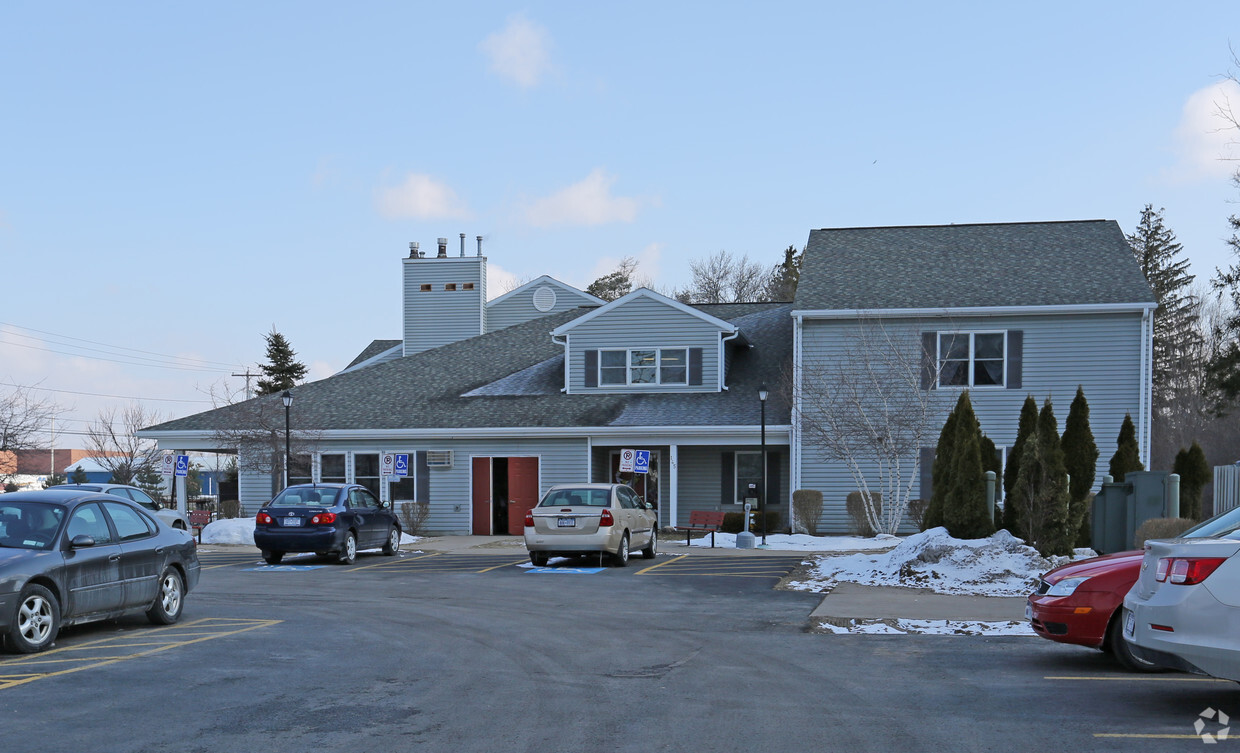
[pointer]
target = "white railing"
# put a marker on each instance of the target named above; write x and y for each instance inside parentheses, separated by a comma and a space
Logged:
(1226, 488)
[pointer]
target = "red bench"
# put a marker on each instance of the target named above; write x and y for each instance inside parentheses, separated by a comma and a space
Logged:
(702, 521)
(198, 519)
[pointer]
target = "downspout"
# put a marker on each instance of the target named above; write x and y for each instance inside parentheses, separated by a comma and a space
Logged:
(1147, 384)
(723, 362)
(564, 344)
(794, 470)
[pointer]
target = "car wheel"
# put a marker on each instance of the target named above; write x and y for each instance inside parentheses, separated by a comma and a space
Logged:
(273, 558)
(348, 552)
(650, 550)
(170, 601)
(539, 559)
(36, 621)
(621, 557)
(393, 542)
(1120, 650)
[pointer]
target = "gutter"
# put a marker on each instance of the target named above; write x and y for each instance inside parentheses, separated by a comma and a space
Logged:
(932, 313)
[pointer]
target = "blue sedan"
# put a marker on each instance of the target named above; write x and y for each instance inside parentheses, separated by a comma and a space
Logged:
(327, 519)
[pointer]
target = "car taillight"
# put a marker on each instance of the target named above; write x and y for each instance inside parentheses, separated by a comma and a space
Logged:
(1189, 571)
(1161, 573)
(529, 519)
(263, 519)
(605, 519)
(323, 519)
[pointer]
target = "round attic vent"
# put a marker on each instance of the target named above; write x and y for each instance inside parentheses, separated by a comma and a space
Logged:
(544, 298)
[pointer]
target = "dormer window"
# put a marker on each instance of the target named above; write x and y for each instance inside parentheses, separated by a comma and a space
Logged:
(643, 366)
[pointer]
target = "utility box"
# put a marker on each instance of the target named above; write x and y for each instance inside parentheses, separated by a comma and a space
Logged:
(1120, 508)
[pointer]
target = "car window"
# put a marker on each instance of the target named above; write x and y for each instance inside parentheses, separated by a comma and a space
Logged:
(626, 498)
(130, 524)
(577, 498)
(304, 496)
(29, 525)
(141, 497)
(1220, 526)
(361, 499)
(88, 520)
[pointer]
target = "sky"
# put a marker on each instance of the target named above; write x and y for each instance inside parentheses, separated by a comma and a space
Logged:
(177, 180)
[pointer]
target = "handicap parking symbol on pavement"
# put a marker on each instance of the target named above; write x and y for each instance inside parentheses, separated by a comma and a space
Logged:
(281, 568)
(567, 570)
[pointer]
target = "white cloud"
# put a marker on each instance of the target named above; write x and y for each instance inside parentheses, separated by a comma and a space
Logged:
(421, 197)
(500, 281)
(519, 52)
(588, 202)
(646, 274)
(1206, 142)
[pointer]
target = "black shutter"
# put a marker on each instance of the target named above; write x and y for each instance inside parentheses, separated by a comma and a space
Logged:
(591, 368)
(727, 479)
(695, 366)
(929, 353)
(422, 492)
(1016, 359)
(773, 493)
(927, 477)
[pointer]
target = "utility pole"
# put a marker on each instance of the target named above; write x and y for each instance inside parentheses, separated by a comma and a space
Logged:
(248, 376)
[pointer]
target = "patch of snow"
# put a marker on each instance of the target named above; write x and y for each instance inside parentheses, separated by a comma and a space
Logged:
(240, 532)
(933, 627)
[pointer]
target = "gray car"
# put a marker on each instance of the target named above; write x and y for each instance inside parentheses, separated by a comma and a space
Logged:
(168, 515)
(575, 519)
(69, 556)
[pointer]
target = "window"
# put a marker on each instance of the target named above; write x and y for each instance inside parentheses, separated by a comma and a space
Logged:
(450, 286)
(971, 359)
(88, 520)
(425, 287)
(643, 366)
(130, 524)
(467, 286)
(366, 471)
(748, 471)
(360, 499)
(331, 470)
(299, 470)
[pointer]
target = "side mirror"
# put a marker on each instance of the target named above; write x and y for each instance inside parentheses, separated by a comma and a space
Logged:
(81, 541)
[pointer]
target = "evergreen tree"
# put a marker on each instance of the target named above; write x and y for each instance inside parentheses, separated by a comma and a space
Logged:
(56, 479)
(1042, 489)
(965, 512)
(1080, 457)
(1194, 474)
(150, 481)
(1176, 326)
(282, 371)
(939, 470)
(1127, 455)
(78, 476)
(785, 276)
(1028, 423)
(616, 284)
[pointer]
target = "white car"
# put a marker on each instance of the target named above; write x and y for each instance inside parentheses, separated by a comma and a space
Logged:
(1184, 610)
(167, 515)
(580, 519)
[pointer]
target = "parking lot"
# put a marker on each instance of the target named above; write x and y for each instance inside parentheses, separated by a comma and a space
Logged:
(468, 650)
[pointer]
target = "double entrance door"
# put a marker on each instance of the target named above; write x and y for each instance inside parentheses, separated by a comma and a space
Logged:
(504, 489)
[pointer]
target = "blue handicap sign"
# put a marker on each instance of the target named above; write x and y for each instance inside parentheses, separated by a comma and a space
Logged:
(402, 465)
(182, 465)
(641, 462)
(567, 570)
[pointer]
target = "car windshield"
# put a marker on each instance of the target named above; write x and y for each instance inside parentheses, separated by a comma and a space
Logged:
(1220, 526)
(29, 525)
(305, 496)
(577, 498)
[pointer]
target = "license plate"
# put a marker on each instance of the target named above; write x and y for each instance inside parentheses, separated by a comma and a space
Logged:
(566, 523)
(1028, 611)
(290, 521)
(1130, 624)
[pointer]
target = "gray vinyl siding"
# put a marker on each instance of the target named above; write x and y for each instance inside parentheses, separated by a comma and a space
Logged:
(437, 316)
(644, 323)
(1101, 353)
(253, 490)
(701, 474)
(519, 307)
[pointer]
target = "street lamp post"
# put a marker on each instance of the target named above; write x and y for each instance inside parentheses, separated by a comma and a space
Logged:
(287, 399)
(762, 393)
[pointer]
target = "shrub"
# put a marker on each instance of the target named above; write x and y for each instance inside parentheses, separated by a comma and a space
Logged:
(734, 522)
(1161, 528)
(230, 508)
(807, 504)
(413, 515)
(855, 504)
(917, 512)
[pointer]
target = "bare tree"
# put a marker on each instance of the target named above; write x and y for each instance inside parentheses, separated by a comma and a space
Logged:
(724, 278)
(114, 441)
(864, 405)
(256, 433)
(23, 421)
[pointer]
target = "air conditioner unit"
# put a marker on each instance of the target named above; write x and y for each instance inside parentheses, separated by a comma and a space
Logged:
(439, 458)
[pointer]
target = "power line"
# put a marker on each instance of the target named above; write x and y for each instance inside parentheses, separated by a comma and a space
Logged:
(182, 359)
(111, 360)
(99, 394)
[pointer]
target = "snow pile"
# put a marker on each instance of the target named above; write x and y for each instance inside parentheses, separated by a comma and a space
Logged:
(240, 532)
(932, 627)
(999, 565)
(801, 542)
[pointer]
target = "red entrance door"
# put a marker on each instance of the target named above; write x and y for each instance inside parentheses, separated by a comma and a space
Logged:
(522, 492)
(482, 496)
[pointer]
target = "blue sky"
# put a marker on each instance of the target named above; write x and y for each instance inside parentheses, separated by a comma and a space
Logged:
(177, 179)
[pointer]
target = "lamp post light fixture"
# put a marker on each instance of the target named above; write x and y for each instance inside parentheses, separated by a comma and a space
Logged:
(762, 395)
(287, 399)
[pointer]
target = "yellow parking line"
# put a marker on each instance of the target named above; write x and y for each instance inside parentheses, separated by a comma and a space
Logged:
(677, 558)
(394, 563)
(1135, 678)
(1151, 737)
(506, 564)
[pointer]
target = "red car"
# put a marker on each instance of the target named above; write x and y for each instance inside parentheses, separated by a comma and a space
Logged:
(1081, 602)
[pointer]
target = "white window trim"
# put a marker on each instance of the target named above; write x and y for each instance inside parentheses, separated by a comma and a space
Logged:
(658, 367)
(972, 333)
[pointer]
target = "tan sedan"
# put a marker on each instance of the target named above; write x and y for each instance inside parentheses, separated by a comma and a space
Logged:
(575, 519)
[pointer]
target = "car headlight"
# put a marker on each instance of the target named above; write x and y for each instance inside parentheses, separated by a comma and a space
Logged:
(1066, 586)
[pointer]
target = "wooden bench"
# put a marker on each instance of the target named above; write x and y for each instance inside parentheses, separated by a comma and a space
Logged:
(702, 521)
(198, 519)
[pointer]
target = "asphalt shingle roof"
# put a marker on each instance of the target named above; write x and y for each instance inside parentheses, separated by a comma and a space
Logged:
(949, 266)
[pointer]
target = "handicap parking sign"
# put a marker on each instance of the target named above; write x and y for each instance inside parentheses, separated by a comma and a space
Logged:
(402, 465)
(641, 461)
(182, 465)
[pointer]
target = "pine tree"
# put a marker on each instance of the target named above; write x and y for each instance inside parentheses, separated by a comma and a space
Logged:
(1127, 455)
(150, 481)
(1042, 489)
(282, 371)
(616, 284)
(1080, 457)
(965, 513)
(1028, 423)
(785, 276)
(1194, 474)
(78, 476)
(939, 471)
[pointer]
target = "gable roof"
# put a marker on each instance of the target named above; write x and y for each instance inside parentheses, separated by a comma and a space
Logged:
(966, 266)
(549, 280)
(697, 312)
(375, 349)
(513, 378)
